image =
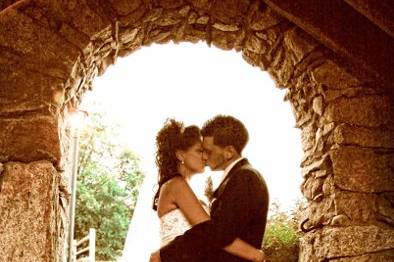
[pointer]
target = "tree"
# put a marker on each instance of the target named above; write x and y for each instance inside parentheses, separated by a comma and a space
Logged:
(109, 176)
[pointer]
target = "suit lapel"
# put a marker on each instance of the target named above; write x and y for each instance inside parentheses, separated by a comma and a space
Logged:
(222, 186)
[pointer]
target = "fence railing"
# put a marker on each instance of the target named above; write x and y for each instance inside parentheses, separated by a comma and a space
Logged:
(83, 253)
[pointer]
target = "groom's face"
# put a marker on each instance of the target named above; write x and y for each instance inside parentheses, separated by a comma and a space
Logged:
(213, 154)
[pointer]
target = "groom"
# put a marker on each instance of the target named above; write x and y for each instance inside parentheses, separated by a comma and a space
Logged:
(240, 204)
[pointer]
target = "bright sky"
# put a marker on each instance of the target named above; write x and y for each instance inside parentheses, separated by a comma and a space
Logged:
(192, 83)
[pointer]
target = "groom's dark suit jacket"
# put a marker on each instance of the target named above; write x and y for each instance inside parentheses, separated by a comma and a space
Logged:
(239, 210)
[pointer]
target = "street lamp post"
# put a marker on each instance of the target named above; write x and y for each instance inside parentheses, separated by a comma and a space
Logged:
(76, 121)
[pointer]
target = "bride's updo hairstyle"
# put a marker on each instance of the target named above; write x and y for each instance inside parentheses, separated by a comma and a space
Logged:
(172, 136)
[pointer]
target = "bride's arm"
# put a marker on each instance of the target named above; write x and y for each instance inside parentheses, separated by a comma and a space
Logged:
(186, 200)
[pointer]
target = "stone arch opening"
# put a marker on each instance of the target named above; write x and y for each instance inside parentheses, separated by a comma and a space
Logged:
(51, 51)
(165, 77)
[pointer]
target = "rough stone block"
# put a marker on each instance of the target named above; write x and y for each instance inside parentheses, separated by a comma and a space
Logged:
(25, 91)
(345, 134)
(371, 111)
(28, 212)
(337, 242)
(362, 170)
(360, 208)
(320, 213)
(299, 43)
(29, 139)
(170, 3)
(229, 11)
(308, 135)
(125, 7)
(333, 76)
(383, 256)
(260, 20)
(312, 187)
(226, 40)
(35, 43)
(255, 44)
(80, 16)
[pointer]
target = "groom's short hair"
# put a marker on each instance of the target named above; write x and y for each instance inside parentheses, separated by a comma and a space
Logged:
(226, 131)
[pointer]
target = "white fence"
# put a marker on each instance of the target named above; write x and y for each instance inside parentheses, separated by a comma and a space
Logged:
(86, 254)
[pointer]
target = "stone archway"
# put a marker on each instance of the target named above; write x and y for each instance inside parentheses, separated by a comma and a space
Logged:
(51, 51)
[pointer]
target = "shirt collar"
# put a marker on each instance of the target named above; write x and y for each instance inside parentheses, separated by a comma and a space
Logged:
(229, 167)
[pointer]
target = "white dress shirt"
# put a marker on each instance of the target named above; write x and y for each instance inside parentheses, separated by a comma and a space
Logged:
(229, 167)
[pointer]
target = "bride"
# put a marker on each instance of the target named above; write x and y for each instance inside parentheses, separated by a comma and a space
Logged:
(179, 156)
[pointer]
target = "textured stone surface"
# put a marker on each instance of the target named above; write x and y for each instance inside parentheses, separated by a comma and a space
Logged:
(324, 75)
(299, 42)
(348, 204)
(28, 214)
(334, 243)
(366, 137)
(20, 34)
(61, 46)
(372, 111)
(235, 10)
(125, 7)
(378, 256)
(17, 96)
(81, 16)
(29, 138)
(263, 19)
(363, 170)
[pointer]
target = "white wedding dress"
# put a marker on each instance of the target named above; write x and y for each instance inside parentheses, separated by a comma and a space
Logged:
(172, 224)
(147, 232)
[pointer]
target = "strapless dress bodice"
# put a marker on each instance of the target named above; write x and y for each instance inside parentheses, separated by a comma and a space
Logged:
(172, 224)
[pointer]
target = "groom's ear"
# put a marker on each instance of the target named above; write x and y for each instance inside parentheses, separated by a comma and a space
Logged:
(229, 152)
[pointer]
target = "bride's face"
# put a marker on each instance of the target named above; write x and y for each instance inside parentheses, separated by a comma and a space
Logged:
(194, 159)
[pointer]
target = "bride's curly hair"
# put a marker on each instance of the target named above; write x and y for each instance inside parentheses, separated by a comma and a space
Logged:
(172, 136)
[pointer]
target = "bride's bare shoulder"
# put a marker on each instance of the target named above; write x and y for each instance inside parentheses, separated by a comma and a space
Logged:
(176, 184)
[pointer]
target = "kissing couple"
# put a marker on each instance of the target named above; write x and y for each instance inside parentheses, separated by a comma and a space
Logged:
(232, 229)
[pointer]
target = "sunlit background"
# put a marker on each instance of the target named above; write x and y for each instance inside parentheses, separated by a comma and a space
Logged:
(192, 83)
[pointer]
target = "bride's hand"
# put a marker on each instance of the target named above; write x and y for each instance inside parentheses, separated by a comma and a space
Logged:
(155, 256)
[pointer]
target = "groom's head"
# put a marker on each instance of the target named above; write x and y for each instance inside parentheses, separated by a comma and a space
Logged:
(224, 138)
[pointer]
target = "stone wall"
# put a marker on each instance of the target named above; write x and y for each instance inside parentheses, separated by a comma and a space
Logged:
(347, 168)
(52, 50)
(29, 201)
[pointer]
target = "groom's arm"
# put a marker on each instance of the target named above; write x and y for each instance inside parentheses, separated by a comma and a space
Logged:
(225, 225)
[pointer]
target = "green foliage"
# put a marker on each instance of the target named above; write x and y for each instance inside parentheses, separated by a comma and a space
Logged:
(107, 188)
(282, 234)
(281, 228)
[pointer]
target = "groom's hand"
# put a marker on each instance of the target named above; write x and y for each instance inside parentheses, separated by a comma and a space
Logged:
(155, 256)
(261, 257)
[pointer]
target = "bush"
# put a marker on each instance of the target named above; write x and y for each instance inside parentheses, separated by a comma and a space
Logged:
(281, 235)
